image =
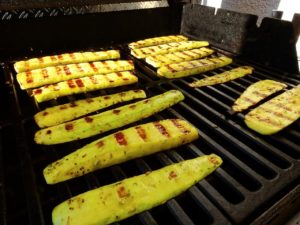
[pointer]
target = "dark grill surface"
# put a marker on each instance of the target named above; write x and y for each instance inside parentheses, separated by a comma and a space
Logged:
(256, 172)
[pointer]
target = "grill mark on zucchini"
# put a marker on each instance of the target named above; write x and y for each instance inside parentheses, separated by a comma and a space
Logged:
(161, 129)
(67, 70)
(141, 132)
(120, 138)
(92, 65)
(180, 126)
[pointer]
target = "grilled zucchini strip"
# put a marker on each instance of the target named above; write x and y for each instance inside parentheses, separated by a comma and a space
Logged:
(120, 200)
(157, 41)
(275, 114)
(257, 92)
(50, 75)
(184, 69)
(223, 77)
(84, 84)
(100, 123)
(122, 146)
(160, 60)
(167, 48)
(62, 113)
(63, 59)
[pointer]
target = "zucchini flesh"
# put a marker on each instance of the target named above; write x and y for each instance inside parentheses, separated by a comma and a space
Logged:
(84, 84)
(115, 118)
(54, 74)
(257, 92)
(133, 195)
(122, 146)
(175, 57)
(183, 69)
(157, 41)
(63, 59)
(275, 114)
(62, 113)
(167, 48)
(223, 77)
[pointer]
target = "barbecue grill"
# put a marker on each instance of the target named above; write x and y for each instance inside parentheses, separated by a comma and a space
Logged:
(258, 182)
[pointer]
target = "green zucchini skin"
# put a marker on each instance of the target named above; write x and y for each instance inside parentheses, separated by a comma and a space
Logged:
(100, 123)
(62, 113)
(128, 197)
(122, 146)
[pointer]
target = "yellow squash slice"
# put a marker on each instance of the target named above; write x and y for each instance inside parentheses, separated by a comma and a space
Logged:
(275, 114)
(160, 60)
(257, 92)
(100, 123)
(63, 59)
(131, 196)
(167, 48)
(157, 41)
(122, 146)
(184, 69)
(84, 84)
(62, 113)
(223, 77)
(50, 75)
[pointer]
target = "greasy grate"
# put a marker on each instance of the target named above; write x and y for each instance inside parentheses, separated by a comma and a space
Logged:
(256, 169)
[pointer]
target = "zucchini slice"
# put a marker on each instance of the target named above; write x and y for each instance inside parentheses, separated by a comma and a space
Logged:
(257, 92)
(84, 84)
(223, 77)
(54, 74)
(62, 113)
(117, 201)
(175, 57)
(100, 123)
(122, 146)
(157, 41)
(167, 48)
(275, 114)
(184, 69)
(63, 59)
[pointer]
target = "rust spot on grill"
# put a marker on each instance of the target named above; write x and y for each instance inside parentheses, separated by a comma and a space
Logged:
(73, 104)
(89, 100)
(71, 84)
(45, 73)
(120, 138)
(99, 144)
(37, 91)
(106, 97)
(180, 126)
(45, 113)
(122, 193)
(48, 132)
(161, 129)
(116, 111)
(69, 126)
(141, 132)
(88, 119)
(60, 57)
(67, 70)
(172, 175)
(92, 65)
(79, 82)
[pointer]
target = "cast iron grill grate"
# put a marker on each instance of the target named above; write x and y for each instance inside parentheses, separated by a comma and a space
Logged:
(256, 169)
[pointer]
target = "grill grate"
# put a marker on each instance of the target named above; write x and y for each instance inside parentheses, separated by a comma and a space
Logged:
(255, 172)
